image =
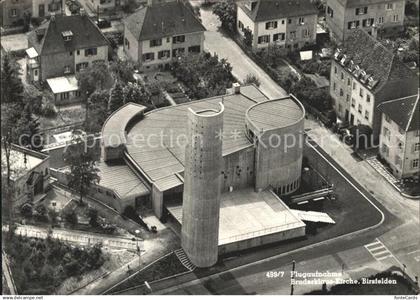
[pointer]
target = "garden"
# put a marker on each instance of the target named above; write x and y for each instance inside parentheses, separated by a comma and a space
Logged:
(40, 266)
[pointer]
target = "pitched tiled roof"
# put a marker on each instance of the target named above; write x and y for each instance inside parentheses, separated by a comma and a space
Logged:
(275, 9)
(363, 51)
(404, 111)
(162, 20)
(360, 3)
(85, 34)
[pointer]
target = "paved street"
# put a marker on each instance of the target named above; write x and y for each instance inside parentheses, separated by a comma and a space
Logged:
(216, 42)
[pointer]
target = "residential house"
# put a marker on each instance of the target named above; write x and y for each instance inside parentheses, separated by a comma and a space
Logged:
(400, 135)
(29, 175)
(160, 31)
(364, 74)
(44, 8)
(344, 16)
(288, 23)
(61, 47)
(15, 12)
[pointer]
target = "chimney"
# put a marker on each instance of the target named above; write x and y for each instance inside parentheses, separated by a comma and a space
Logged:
(236, 88)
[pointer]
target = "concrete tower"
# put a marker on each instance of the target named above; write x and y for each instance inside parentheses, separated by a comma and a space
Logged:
(202, 179)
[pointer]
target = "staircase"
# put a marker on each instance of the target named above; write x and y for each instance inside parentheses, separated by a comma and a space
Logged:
(183, 258)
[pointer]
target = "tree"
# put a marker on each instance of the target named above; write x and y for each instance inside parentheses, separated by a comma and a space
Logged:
(95, 77)
(93, 217)
(248, 37)
(41, 213)
(11, 84)
(252, 79)
(226, 11)
(26, 210)
(136, 93)
(123, 71)
(80, 156)
(97, 111)
(116, 99)
(70, 217)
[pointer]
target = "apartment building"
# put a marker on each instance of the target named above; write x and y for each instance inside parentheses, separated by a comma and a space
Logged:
(364, 74)
(400, 135)
(61, 47)
(345, 16)
(290, 24)
(161, 31)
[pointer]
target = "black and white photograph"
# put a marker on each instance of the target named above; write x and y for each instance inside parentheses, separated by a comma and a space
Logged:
(210, 147)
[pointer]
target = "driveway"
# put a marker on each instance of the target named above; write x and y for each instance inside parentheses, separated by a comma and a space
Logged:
(242, 65)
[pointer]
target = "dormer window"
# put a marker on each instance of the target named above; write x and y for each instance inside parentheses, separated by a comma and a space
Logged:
(251, 4)
(67, 35)
(343, 60)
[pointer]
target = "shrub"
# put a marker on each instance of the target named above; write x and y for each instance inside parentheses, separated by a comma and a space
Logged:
(252, 79)
(70, 217)
(49, 110)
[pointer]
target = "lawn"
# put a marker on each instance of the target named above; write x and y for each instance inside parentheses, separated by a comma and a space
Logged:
(167, 266)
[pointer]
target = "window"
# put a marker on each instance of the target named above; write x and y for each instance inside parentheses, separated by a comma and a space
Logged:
(397, 160)
(353, 25)
(340, 108)
(164, 54)
(156, 43)
(415, 163)
(367, 98)
(380, 20)
(289, 21)
(342, 76)
(178, 39)
(347, 98)
(66, 69)
(418, 133)
(368, 22)
(279, 37)
(359, 108)
(389, 6)
(305, 33)
(263, 39)
(348, 82)
(36, 72)
(385, 150)
(177, 52)
(148, 56)
(91, 51)
(341, 92)
(282, 22)
(271, 25)
(241, 25)
(361, 92)
(335, 70)
(387, 118)
(334, 86)
(330, 12)
(292, 34)
(387, 133)
(416, 147)
(400, 144)
(127, 43)
(64, 96)
(78, 52)
(71, 53)
(367, 115)
(354, 85)
(301, 21)
(194, 49)
(353, 102)
(361, 10)
(395, 18)
(82, 66)
(13, 12)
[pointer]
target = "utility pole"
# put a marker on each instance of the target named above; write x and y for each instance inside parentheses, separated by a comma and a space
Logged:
(292, 277)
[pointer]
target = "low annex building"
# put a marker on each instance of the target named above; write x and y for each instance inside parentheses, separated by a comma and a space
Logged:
(235, 153)
(161, 31)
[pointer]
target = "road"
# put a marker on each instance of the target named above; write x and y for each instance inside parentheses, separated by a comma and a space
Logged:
(242, 65)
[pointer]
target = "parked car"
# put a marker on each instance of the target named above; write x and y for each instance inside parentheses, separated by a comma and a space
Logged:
(103, 23)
